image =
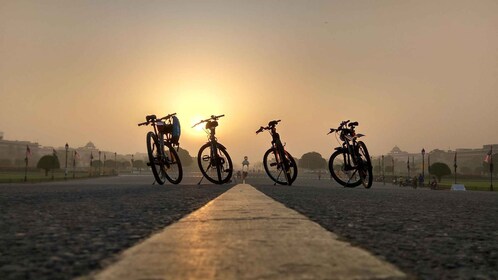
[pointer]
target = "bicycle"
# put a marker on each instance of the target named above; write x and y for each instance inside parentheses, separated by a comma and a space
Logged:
(350, 165)
(277, 160)
(163, 158)
(213, 159)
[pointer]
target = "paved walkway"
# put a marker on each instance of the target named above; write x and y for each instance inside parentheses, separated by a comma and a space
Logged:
(244, 234)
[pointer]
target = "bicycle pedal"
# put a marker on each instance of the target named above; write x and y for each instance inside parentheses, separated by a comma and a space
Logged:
(273, 164)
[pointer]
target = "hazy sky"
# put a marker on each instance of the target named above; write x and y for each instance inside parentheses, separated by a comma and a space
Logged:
(413, 73)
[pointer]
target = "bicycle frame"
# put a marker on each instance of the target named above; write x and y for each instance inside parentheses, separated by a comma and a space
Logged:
(214, 158)
(214, 148)
(283, 161)
(277, 144)
(161, 137)
(160, 149)
(349, 145)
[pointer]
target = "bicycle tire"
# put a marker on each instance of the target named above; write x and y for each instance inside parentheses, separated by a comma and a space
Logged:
(274, 169)
(154, 161)
(173, 170)
(222, 171)
(342, 175)
(366, 165)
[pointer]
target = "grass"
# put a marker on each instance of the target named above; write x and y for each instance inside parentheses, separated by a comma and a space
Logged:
(470, 184)
(39, 176)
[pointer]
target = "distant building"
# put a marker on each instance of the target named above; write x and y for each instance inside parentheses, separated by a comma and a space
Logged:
(469, 161)
(13, 153)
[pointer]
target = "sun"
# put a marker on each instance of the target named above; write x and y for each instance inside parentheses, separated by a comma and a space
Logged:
(196, 119)
(194, 107)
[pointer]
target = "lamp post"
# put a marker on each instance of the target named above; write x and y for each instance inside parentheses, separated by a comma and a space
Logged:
(423, 166)
(100, 164)
(74, 163)
(132, 164)
(115, 164)
(383, 173)
(65, 169)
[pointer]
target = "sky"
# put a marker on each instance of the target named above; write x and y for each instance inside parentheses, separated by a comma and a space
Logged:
(416, 74)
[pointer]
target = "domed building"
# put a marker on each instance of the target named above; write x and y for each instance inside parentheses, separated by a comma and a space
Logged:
(90, 146)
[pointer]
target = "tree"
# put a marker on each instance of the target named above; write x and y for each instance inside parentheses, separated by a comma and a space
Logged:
(139, 164)
(48, 162)
(313, 161)
(185, 157)
(124, 164)
(439, 170)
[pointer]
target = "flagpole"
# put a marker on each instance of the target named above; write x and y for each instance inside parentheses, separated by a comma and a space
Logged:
(74, 164)
(455, 166)
(491, 169)
(91, 165)
(26, 170)
(26, 159)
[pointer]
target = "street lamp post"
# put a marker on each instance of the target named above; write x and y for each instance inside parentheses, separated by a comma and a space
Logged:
(383, 173)
(100, 164)
(115, 163)
(74, 164)
(132, 164)
(423, 166)
(65, 169)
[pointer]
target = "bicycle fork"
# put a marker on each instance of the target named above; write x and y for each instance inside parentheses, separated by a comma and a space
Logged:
(282, 163)
(213, 159)
(347, 165)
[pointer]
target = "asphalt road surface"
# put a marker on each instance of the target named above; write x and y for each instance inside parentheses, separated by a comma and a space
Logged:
(428, 234)
(68, 229)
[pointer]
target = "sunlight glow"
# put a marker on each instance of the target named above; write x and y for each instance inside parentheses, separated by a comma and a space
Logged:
(197, 102)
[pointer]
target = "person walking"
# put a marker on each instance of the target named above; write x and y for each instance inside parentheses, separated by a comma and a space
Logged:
(245, 169)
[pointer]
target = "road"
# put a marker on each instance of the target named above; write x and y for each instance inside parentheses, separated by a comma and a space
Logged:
(68, 229)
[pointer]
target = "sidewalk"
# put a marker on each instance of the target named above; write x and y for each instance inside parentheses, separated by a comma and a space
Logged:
(244, 234)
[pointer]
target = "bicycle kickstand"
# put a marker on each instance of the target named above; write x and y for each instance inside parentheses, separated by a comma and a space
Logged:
(200, 180)
(154, 182)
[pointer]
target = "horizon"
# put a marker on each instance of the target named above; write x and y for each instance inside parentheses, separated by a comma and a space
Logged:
(413, 74)
(455, 149)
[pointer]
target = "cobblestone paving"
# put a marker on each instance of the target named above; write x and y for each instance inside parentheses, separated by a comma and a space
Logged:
(59, 231)
(428, 234)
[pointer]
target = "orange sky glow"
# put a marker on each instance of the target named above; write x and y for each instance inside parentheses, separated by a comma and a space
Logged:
(412, 73)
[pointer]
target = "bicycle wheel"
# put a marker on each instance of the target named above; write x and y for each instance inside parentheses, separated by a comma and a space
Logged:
(342, 172)
(155, 161)
(216, 166)
(172, 170)
(364, 165)
(276, 168)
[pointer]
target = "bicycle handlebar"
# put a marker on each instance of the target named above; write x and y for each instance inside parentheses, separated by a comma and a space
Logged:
(213, 117)
(152, 118)
(271, 125)
(341, 126)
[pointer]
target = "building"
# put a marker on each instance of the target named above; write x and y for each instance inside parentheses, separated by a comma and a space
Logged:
(13, 152)
(469, 161)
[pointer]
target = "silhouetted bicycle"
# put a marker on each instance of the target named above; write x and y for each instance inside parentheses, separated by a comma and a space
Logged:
(277, 160)
(213, 159)
(350, 164)
(163, 158)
